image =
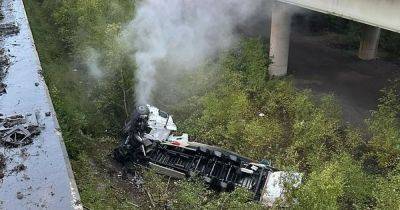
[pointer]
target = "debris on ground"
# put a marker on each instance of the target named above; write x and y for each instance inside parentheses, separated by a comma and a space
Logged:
(1, 13)
(8, 29)
(24, 154)
(2, 88)
(2, 165)
(4, 64)
(20, 195)
(18, 130)
(12, 121)
(18, 168)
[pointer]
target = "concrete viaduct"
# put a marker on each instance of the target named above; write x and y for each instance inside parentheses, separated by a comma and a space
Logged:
(375, 14)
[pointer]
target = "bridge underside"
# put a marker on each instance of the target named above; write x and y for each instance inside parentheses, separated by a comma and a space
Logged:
(379, 13)
(376, 14)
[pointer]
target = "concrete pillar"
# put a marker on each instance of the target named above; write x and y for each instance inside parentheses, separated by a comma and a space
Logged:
(280, 38)
(369, 42)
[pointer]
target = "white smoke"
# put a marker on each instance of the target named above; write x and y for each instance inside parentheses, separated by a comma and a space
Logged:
(181, 34)
(92, 62)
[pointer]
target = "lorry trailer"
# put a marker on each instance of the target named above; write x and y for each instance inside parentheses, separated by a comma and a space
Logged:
(152, 140)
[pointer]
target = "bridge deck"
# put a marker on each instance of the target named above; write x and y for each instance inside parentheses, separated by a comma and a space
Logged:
(46, 180)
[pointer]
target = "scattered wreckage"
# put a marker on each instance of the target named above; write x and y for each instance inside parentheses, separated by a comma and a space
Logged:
(9, 29)
(5, 30)
(18, 130)
(152, 140)
(4, 63)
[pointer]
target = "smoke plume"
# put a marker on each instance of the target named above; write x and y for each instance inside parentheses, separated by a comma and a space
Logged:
(92, 62)
(180, 35)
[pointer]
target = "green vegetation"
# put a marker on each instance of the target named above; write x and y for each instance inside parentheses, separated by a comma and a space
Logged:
(300, 132)
(232, 104)
(193, 194)
(384, 127)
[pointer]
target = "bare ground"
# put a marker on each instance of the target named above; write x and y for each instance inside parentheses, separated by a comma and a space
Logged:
(320, 61)
(356, 84)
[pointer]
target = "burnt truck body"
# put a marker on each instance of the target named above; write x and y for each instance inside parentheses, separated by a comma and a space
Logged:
(152, 140)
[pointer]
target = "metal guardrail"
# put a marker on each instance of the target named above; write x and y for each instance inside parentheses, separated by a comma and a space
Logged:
(35, 172)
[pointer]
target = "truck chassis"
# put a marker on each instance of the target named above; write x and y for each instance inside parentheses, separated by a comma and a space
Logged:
(151, 141)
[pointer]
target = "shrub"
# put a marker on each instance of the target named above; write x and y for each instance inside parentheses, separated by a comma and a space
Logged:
(340, 183)
(384, 126)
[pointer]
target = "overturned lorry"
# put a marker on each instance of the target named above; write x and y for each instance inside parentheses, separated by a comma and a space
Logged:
(152, 140)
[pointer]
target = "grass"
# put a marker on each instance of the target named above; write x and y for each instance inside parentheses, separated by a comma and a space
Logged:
(101, 186)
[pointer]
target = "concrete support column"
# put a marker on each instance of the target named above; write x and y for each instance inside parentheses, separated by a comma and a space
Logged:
(280, 38)
(369, 42)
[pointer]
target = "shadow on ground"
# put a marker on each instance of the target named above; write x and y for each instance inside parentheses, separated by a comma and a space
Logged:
(325, 69)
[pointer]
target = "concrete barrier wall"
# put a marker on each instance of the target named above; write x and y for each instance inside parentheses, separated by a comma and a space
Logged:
(46, 181)
(381, 13)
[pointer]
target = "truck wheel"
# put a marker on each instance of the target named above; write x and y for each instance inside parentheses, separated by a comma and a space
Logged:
(191, 174)
(202, 150)
(217, 153)
(223, 185)
(207, 180)
(233, 158)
